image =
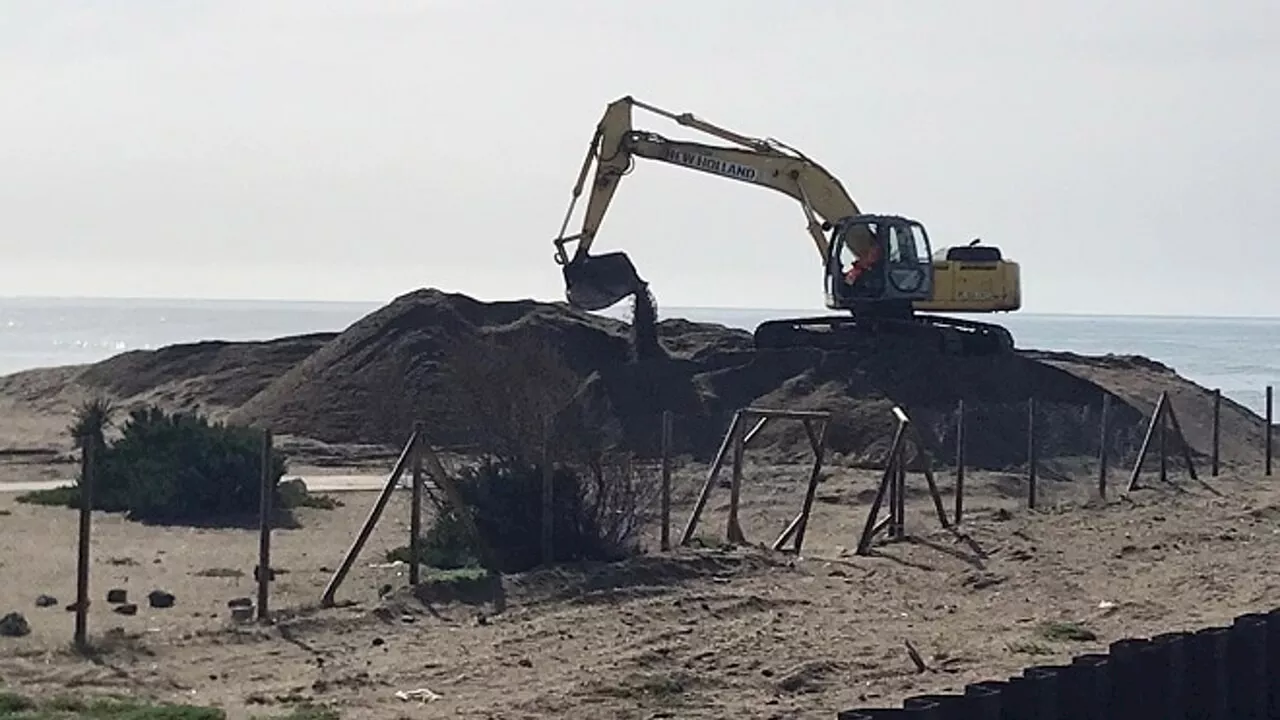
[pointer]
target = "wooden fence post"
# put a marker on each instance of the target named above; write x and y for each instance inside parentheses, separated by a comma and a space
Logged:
(733, 529)
(548, 499)
(887, 480)
(1270, 421)
(1162, 436)
(716, 465)
(667, 420)
(1157, 417)
(1103, 449)
(959, 460)
(900, 479)
(393, 480)
(1032, 454)
(88, 462)
(415, 508)
(265, 512)
(1217, 429)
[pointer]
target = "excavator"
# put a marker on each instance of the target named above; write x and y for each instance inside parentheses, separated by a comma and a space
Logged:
(878, 269)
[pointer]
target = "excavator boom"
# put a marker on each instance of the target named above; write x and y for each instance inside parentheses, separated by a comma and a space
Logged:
(596, 282)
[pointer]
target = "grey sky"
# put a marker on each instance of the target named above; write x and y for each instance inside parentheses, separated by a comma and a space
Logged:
(1124, 152)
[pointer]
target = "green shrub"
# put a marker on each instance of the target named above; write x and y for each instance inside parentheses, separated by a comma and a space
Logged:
(61, 496)
(64, 707)
(173, 468)
(504, 499)
(176, 468)
(12, 704)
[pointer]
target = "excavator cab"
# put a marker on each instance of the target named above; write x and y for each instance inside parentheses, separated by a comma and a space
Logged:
(878, 260)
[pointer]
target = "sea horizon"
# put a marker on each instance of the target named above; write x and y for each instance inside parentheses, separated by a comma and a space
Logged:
(620, 307)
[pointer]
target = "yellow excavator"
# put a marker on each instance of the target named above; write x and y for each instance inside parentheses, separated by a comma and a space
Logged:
(879, 269)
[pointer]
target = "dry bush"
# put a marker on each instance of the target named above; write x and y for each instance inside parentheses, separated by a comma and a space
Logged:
(517, 395)
(597, 514)
(622, 496)
(509, 391)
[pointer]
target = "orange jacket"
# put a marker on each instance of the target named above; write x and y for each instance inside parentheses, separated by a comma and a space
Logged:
(863, 264)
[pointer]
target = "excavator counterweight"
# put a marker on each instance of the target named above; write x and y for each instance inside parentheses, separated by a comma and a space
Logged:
(879, 269)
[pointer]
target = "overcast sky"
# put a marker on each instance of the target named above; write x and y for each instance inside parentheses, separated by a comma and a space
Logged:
(1126, 153)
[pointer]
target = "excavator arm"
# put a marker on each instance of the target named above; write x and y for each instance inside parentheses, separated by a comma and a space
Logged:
(596, 282)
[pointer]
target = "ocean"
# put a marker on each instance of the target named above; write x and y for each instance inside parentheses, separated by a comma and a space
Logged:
(1238, 355)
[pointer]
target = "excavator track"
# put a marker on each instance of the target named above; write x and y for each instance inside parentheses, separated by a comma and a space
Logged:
(947, 335)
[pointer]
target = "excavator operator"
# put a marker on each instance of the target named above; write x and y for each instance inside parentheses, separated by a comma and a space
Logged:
(866, 253)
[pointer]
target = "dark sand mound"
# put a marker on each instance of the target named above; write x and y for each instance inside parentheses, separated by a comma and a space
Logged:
(860, 389)
(1138, 382)
(466, 366)
(402, 362)
(213, 377)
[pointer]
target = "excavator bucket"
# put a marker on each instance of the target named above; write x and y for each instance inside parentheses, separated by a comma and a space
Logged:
(594, 282)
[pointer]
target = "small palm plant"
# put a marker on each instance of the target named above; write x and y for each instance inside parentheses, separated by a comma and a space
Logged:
(92, 419)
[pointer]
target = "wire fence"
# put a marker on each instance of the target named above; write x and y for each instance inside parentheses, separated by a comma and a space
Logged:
(1120, 438)
(996, 436)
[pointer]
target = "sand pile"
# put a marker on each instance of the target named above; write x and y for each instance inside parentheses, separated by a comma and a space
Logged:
(411, 360)
(467, 367)
(1138, 382)
(860, 389)
(217, 375)
(212, 377)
